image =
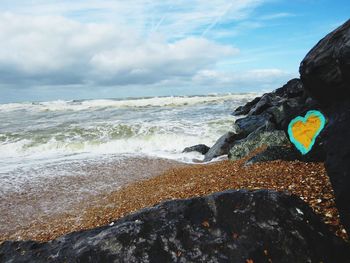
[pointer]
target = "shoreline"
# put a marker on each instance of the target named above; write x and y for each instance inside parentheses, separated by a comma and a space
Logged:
(57, 198)
(306, 180)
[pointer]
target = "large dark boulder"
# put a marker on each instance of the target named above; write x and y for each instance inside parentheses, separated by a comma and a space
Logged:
(337, 146)
(325, 71)
(201, 148)
(232, 226)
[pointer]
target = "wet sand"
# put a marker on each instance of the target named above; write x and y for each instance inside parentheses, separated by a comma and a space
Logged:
(307, 180)
(61, 200)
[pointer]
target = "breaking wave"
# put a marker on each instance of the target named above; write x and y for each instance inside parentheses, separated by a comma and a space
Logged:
(79, 105)
(155, 127)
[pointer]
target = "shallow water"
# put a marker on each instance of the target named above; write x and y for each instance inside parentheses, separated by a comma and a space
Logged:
(47, 197)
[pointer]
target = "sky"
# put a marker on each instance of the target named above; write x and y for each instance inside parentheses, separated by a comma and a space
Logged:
(92, 49)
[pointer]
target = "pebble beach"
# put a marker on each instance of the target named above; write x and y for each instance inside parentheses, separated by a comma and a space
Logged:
(309, 181)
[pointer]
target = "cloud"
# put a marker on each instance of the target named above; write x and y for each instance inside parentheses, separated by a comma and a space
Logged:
(55, 50)
(276, 16)
(104, 45)
(155, 60)
(173, 18)
(250, 79)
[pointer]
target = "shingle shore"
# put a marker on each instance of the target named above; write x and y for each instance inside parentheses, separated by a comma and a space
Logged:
(306, 180)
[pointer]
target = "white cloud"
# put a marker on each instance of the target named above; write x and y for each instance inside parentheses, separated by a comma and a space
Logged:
(173, 18)
(105, 43)
(258, 78)
(156, 60)
(54, 49)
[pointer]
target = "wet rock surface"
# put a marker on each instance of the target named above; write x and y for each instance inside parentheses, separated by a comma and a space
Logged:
(231, 226)
(201, 148)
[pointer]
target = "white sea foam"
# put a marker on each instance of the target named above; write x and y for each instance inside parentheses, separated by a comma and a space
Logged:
(53, 134)
(61, 105)
(161, 142)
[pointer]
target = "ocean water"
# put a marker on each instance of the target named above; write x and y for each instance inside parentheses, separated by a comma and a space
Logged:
(60, 157)
(55, 138)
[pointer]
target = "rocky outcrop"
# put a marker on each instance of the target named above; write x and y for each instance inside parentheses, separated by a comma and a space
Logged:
(255, 140)
(201, 148)
(272, 113)
(325, 71)
(232, 226)
(278, 107)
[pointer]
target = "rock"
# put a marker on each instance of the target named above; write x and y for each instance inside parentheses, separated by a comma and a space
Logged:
(282, 105)
(263, 104)
(201, 148)
(272, 153)
(325, 71)
(285, 153)
(249, 124)
(337, 147)
(231, 226)
(243, 110)
(290, 101)
(257, 139)
(279, 107)
(274, 111)
(278, 114)
(296, 107)
(293, 88)
(222, 146)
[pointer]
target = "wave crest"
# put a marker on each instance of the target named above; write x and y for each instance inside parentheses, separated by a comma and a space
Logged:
(60, 105)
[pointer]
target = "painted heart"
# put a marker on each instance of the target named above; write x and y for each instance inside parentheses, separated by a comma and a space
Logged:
(303, 131)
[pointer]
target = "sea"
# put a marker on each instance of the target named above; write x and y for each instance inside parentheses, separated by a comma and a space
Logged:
(104, 143)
